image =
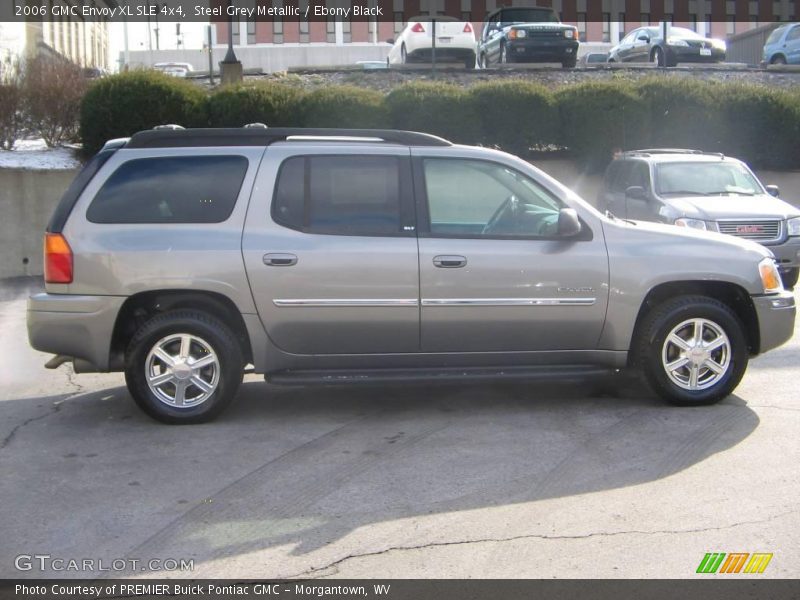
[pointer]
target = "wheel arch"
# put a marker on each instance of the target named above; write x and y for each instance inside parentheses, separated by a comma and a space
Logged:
(139, 308)
(730, 294)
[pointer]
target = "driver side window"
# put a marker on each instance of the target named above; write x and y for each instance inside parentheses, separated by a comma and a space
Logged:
(475, 198)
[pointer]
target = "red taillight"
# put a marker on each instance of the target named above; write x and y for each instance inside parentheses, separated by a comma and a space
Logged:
(467, 28)
(57, 259)
(418, 28)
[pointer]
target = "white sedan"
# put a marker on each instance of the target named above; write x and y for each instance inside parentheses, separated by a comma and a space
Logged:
(455, 42)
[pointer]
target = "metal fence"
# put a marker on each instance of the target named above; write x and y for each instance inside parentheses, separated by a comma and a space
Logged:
(747, 47)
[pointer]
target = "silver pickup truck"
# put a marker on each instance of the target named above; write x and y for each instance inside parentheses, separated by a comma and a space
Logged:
(340, 256)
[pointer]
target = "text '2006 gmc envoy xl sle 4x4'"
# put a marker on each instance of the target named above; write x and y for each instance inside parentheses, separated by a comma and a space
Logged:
(323, 256)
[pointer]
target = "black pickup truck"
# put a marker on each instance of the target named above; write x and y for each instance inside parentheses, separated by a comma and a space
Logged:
(527, 35)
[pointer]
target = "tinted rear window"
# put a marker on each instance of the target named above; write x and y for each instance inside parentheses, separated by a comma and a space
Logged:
(340, 195)
(185, 189)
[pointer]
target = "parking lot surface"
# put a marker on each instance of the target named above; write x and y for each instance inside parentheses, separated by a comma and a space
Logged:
(496, 480)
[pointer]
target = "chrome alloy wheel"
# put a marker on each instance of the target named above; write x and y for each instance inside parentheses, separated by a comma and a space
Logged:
(182, 370)
(696, 354)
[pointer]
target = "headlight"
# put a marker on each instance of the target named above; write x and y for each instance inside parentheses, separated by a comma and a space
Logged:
(719, 44)
(570, 33)
(793, 226)
(677, 42)
(692, 223)
(770, 278)
(516, 34)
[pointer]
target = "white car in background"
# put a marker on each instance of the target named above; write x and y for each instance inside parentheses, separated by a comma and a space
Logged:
(176, 69)
(455, 42)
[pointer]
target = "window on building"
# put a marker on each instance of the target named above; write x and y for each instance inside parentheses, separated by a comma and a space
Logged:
(693, 22)
(581, 22)
(330, 31)
(277, 30)
(606, 27)
(339, 195)
(730, 25)
(466, 16)
(399, 25)
(669, 18)
(754, 20)
(621, 21)
(346, 31)
(170, 189)
(645, 19)
(251, 32)
(236, 37)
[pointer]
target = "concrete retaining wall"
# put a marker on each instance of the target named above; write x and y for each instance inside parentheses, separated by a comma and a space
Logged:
(28, 199)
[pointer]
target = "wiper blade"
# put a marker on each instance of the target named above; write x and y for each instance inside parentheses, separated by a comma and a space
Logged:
(614, 217)
(687, 193)
(729, 192)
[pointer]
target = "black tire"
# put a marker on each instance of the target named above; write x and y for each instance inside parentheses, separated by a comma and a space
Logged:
(661, 321)
(789, 277)
(658, 57)
(778, 60)
(504, 58)
(469, 63)
(569, 62)
(484, 62)
(403, 55)
(210, 331)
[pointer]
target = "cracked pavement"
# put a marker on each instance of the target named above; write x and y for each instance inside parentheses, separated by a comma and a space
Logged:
(494, 481)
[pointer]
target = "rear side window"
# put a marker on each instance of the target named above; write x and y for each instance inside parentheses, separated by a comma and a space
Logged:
(184, 189)
(339, 195)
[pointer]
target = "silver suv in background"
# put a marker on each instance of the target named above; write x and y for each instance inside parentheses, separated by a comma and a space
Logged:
(705, 191)
(341, 256)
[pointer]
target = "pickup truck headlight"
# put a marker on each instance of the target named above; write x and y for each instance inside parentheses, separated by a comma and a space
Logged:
(692, 223)
(793, 226)
(770, 278)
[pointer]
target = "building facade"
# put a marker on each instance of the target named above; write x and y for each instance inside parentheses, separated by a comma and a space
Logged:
(596, 20)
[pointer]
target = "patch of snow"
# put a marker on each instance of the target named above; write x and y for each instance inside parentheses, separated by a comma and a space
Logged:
(34, 155)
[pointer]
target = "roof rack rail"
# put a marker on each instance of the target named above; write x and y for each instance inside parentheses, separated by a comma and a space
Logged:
(168, 138)
(649, 151)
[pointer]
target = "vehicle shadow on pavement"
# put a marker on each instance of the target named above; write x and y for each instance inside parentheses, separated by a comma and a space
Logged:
(307, 466)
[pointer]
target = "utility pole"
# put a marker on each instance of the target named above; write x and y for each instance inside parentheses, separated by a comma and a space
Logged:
(230, 67)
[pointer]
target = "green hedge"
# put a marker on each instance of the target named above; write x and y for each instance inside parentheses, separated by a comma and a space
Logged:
(345, 106)
(440, 109)
(589, 120)
(273, 104)
(515, 115)
(124, 104)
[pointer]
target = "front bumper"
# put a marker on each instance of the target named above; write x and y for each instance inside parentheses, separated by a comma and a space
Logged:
(776, 314)
(683, 54)
(538, 50)
(76, 326)
(443, 54)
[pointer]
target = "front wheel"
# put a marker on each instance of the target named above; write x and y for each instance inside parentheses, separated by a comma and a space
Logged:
(183, 366)
(692, 350)
(504, 58)
(569, 62)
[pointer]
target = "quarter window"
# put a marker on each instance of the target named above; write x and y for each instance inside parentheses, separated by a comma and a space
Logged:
(469, 198)
(186, 189)
(339, 195)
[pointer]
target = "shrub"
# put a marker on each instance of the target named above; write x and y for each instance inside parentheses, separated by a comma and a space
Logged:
(53, 89)
(440, 109)
(11, 118)
(598, 118)
(515, 115)
(763, 125)
(345, 106)
(121, 105)
(682, 113)
(273, 104)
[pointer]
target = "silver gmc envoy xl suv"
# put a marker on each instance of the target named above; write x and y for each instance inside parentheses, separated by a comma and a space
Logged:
(324, 256)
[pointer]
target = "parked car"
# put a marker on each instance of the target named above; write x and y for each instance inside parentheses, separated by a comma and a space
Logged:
(181, 256)
(175, 69)
(527, 35)
(455, 42)
(705, 191)
(783, 46)
(593, 58)
(647, 44)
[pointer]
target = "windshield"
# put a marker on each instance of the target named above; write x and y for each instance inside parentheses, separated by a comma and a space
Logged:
(685, 33)
(528, 15)
(706, 179)
(775, 35)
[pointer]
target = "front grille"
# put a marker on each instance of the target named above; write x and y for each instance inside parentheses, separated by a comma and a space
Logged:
(760, 231)
(543, 33)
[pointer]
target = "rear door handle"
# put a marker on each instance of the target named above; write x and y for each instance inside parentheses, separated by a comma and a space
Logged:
(449, 262)
(280, 260)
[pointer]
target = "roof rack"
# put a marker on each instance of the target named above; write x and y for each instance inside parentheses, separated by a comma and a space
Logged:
(651, 151)
(168, 138)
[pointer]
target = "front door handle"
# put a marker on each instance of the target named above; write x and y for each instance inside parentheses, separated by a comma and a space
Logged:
(280, 260)
(449, 262)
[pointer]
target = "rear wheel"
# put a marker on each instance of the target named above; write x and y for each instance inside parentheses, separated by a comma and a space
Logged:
(403, 55)
(657, 57)
(183, 366)
(469, 63)
(789, 277)
(692, 350)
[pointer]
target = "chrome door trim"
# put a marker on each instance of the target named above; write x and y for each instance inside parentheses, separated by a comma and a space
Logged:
(351, 302)
(509, 301)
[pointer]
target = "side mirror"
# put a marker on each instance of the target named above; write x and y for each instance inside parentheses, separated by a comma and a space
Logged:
(569, 225)
(390, 41)
(636, 192)
(773, 190)
(644, 38)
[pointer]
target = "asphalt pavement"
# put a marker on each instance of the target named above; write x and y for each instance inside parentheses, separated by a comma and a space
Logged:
(492, 481)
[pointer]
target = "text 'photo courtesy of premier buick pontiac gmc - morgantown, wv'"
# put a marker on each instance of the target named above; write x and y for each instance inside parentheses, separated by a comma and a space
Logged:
(184, 257)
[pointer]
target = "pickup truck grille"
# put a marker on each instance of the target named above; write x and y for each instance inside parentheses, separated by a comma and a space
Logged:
(759, 231)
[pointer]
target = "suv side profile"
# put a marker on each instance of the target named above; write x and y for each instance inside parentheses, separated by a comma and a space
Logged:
(783, 46)
(343, 256)
(705, 191)
(527, 35)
